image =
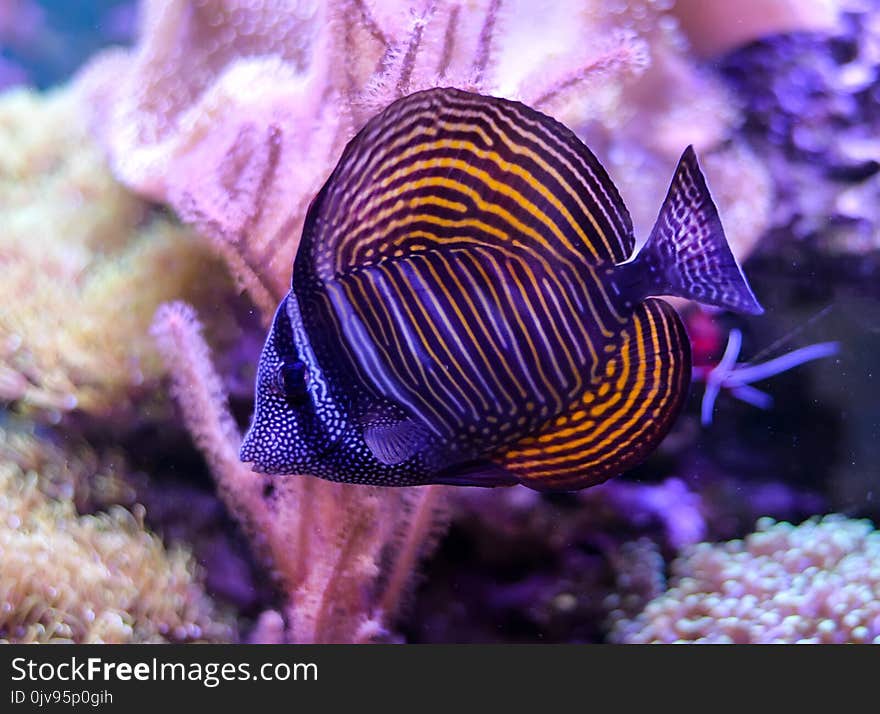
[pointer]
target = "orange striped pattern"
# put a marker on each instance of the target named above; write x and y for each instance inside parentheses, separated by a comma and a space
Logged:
(461, 254)
(622, 417)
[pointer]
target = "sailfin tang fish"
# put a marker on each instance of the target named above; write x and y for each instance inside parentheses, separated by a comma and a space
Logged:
(466, 309)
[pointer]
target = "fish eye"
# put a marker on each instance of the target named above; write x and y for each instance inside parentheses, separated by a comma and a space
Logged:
(290, 379)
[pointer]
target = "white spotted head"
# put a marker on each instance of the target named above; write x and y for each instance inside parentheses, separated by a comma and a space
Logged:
(286, 435)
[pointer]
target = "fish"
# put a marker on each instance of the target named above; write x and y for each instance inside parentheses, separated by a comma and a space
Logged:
(466, 308)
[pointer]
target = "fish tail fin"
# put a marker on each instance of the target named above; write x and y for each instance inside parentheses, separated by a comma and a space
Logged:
(687, 254)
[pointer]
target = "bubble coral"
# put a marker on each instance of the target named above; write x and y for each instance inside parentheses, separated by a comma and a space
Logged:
(818, 582)
(93, 578)
(85, 264)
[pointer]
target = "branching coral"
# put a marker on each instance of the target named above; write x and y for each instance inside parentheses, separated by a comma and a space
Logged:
(234, 112)
(816, 582)
(342, 554)
(84, 266)
(94, 578)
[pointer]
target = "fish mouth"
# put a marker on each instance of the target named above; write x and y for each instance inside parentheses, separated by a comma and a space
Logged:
(248, 451)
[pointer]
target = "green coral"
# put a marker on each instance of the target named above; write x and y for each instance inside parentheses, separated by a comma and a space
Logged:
(85, 264)
(66, 577)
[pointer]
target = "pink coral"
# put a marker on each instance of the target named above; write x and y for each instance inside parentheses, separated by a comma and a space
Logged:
(342, 555)
(818, 582)
(234, 112)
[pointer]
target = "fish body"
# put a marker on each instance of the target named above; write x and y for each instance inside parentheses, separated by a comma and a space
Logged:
(466, 309)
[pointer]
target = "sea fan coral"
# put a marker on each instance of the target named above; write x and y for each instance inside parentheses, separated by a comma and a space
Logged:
(93, 578)
(812, 583)
(235, 112)
(84, 266)
(343, 555)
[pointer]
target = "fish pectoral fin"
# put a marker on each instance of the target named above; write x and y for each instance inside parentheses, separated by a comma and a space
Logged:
(393, 443)
(475, 473)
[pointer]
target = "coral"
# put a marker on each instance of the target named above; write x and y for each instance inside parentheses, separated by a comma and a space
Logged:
(342, 555)
(234, 112)
(93, 578)
(673, 505)
(75, 472)
(717, 26)
(640, 127)
(810, 108)
(85, 264)
(519, 566)
(814, 583)
(638, 567)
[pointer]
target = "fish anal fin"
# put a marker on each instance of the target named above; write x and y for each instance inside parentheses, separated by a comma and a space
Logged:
(393, 442)
(621, 418)
(475, 473)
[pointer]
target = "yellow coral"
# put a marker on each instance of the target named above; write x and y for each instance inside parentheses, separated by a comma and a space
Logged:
(95, 578)
(76, 472)
(84, 265)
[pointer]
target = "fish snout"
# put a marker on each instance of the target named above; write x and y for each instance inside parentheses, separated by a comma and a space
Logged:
(248, 451)
(254, 450)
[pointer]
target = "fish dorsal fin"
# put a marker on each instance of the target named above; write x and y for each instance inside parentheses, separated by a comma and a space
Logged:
(621, 418)
(445, 168)
(393, 442)
(687, 252)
